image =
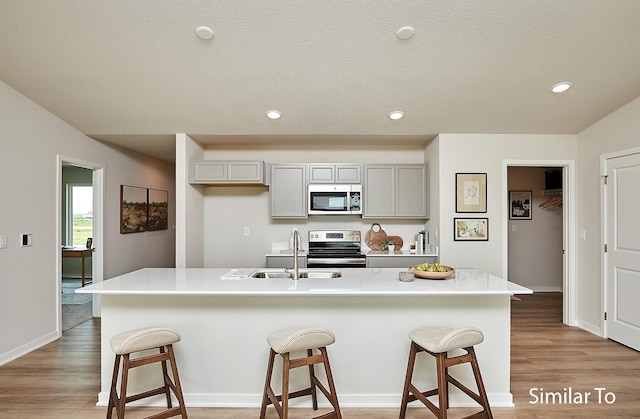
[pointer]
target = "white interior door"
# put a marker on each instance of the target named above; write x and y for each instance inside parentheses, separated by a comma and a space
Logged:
(622, 258)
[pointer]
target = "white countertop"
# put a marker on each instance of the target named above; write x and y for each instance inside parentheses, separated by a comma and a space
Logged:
(354, 281)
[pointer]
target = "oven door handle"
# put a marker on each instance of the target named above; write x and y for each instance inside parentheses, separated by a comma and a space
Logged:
(333, 261)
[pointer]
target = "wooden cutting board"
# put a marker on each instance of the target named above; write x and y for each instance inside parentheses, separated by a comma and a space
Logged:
(373, 237)
(376, 235)
(397, 241)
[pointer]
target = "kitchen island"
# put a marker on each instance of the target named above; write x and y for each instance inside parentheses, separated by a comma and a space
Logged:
(224, 318)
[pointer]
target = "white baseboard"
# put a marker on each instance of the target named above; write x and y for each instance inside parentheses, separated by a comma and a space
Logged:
(346, 400)
(596, 330)
(28, 347)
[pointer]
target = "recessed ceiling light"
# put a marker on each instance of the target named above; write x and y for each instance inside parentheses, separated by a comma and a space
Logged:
(204, 32)
(561, 87)
(396, 115)
(273, 114)
(405, 32)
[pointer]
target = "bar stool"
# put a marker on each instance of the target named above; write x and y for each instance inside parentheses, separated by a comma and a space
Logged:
(437, 341)
(285, 341)
(127, 343)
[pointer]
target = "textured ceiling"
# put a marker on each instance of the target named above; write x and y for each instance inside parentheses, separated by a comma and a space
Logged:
(133, 73)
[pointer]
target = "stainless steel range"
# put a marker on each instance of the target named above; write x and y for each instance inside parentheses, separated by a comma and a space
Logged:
(336, 249)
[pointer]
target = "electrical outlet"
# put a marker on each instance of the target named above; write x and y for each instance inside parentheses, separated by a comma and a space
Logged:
(3, 241)
(246, 231)
(583, 234)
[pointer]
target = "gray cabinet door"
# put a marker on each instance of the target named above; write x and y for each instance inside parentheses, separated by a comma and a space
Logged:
(245, 171)
(379, 191)
(348, 173)
(398, 261)
(395, 191)
(222, 171)
(335, 173)
(411, 191)
(208, 171)
(322, 173)
(288, 191)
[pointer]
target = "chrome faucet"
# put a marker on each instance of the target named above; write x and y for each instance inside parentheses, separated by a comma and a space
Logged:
(296, 246)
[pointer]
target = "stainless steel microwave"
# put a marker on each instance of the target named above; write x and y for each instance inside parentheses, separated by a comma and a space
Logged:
(335, 199)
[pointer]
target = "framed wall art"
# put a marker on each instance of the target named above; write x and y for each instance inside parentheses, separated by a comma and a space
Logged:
(471, 192)
(520, 205)
(471, 229)
(133, 209)
(158, 210)
(143, 209)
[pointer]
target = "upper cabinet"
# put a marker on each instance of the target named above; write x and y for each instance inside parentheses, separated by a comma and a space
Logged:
(395, 191)
(216, 172)
(288, 191)
(335, 173)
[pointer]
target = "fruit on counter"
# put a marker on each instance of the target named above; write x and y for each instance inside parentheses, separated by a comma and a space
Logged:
(431, 267)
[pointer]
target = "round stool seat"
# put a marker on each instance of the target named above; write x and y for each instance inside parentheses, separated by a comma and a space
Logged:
(143, 339)
(297, 339)
(444, 339)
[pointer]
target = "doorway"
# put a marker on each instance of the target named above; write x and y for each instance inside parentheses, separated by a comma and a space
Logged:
(557, 220)
(79, 236)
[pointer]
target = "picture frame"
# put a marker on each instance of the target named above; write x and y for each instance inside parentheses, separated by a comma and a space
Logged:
(471, 192)
(470, 229)
(157, 210)
(520, 207)
(133, 209)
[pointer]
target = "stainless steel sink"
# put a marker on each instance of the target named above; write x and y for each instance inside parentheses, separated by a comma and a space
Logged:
(304, 273)
(270, 274)
(320, 274)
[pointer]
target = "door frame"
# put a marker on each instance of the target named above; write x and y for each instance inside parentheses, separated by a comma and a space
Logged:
(568, 225)
(97, 259)
(603, 230)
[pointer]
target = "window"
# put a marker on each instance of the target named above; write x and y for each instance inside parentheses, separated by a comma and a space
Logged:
(79, 214)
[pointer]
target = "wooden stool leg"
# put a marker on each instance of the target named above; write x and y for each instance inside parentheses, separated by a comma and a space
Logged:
(312, 379)
(285, 385)
(123, 387)
(407, 381)
(267, 385)
(481, 390)
(443, 385)
(332, 388)
(165, 379)
(176, 382)
(113, 392)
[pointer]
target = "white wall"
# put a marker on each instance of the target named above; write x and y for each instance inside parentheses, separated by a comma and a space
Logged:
(227, 210)
(32, 137)
(190, 212)
(618, 131)
(486, 153)
(535, 246)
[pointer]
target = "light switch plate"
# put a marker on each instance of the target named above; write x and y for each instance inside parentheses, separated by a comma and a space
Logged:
(3, 241)
(25, 240)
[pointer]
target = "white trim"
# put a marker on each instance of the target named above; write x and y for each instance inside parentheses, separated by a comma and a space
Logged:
(97, 262)
(568, 221)
(28, 347)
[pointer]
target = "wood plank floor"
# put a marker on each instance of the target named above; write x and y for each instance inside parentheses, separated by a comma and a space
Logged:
(61, 380)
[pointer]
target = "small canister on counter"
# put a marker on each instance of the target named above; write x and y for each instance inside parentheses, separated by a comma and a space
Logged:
(405, 276)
